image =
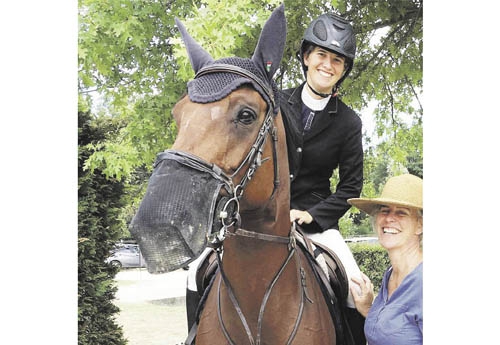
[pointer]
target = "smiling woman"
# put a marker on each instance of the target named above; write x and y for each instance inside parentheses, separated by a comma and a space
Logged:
(406, 222)
(396, 314)
(324, 69)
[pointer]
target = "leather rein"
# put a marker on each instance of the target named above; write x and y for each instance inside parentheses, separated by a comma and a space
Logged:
(301, 278)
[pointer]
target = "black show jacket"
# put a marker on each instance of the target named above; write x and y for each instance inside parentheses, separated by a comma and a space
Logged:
(334, 141)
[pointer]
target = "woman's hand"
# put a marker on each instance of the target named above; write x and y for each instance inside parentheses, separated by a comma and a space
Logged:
(363, 297)
(300, 217)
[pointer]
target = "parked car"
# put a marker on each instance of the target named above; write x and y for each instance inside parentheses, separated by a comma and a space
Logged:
(362, 239)
(126, 255)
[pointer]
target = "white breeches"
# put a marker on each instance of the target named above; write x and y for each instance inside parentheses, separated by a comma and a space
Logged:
(193, 267)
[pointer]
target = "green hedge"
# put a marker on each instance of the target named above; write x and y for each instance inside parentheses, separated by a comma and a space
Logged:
(99, 202)
(372, 260)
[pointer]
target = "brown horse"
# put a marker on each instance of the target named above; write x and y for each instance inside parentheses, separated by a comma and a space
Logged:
(265, 291)
(292, 311)
(278, 300)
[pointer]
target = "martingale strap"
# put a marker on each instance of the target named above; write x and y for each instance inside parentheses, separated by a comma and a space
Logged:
(266, 237)
(257, 340)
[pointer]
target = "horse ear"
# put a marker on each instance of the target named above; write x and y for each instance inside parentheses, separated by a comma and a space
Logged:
(197, 55)
(269, 50)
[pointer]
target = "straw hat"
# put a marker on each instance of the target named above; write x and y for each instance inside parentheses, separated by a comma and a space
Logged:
(403, 190)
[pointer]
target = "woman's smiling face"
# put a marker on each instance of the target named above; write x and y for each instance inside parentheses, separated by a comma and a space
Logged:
(398, 226)
(324, 69)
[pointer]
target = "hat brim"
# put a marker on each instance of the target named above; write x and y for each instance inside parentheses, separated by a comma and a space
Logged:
(369, 206)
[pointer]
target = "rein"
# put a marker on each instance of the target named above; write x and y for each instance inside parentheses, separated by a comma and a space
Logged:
(290, 240)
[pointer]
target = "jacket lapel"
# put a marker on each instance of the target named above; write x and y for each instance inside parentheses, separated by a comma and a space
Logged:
(323, 120)
(293, 100)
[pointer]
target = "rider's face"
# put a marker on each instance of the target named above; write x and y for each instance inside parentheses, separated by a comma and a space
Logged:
(324, 69)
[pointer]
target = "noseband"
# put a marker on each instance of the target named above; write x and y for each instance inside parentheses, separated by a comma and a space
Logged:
(229, 211)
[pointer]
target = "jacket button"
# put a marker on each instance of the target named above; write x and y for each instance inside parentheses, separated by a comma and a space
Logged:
(299, 149)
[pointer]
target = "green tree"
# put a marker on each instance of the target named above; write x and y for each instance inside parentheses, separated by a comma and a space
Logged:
(99, 203)
(131, 54)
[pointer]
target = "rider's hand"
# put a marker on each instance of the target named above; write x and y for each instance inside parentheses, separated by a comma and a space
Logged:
(300, 217)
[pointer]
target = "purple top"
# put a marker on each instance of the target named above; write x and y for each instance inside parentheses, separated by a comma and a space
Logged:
(399, 319)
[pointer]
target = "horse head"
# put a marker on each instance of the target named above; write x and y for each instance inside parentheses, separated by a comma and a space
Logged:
(228, 165)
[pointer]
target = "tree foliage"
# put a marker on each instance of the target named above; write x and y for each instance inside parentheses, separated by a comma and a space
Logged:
(373, 260)
(132, 69)
(131, 55)
(99, 206)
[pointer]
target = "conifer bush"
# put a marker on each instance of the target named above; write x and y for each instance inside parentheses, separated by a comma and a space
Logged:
(99, 201)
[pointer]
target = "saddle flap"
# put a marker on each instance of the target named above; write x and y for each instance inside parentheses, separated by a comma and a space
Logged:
(334, 270)
(205, 272)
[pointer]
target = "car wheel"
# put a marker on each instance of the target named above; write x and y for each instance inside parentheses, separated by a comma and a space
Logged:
(116, 263)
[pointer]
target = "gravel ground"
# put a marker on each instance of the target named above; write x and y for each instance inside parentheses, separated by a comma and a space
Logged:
(152, 307)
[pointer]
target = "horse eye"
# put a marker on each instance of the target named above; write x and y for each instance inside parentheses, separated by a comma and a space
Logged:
(246, 116)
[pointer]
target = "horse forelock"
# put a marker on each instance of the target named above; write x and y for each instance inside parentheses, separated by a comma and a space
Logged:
(215, 86)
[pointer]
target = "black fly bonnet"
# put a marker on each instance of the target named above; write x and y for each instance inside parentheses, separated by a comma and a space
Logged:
(183, 209)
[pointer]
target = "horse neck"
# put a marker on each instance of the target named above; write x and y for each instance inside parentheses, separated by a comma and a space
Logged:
(252, 264)
(273, 217)
(254, 259)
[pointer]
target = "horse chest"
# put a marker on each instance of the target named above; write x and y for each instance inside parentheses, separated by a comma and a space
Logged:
(284, 318)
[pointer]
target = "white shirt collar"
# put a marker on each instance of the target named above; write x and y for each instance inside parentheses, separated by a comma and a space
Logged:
(311, 103)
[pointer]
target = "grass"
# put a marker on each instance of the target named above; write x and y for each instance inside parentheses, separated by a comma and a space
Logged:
(151, 322)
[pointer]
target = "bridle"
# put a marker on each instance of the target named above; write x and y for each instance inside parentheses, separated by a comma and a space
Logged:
(229, 211)
(229, 206)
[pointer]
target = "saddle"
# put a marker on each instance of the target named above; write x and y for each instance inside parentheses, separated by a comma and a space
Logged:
(327, 268)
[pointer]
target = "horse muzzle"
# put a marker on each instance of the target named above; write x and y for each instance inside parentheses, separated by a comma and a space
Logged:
(178, 212)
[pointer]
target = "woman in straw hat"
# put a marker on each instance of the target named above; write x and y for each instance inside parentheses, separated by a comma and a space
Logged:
(395, 317)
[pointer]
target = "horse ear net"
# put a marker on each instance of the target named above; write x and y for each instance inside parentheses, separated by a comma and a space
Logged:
(271, 45)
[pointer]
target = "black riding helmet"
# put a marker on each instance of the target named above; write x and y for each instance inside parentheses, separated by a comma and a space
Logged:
(333, 33)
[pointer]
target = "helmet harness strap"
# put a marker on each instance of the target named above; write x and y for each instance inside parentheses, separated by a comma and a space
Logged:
(324, 95)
